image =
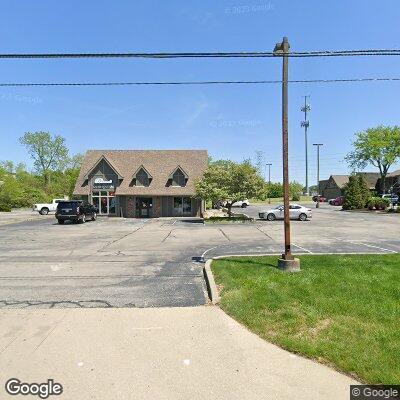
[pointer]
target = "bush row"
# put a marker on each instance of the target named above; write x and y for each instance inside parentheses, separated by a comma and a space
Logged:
(377, 203)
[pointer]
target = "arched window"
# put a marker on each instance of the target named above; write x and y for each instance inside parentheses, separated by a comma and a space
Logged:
(178, 178)
(142, 178)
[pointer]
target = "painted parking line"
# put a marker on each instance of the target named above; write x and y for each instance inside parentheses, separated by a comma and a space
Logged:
(367, 245)
(302, 248)
(208, 250)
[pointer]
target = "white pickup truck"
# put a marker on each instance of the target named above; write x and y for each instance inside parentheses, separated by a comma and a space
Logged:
(44, 209)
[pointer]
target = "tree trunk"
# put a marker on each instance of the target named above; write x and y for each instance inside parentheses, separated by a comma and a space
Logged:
(229, 206)
(383, 183)
(46, 176)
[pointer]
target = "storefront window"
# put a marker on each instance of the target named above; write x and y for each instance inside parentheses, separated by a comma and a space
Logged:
(182, 205)
(187, 205)
(111, 209)
(96, 203)
(178, 203)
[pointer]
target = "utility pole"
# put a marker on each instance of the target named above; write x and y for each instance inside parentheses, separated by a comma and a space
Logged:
(306, 124)
(287, 262)
(269, 182)
(318, 145)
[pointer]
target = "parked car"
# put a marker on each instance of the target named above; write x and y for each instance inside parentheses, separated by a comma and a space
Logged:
(75, 211)
(322, 199)
(337, 202)
(241, 203)
(296, 211)
(393, 198)
(45, 208)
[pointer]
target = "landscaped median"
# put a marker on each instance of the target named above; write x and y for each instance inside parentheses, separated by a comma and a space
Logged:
(235, 219)
(341, 310)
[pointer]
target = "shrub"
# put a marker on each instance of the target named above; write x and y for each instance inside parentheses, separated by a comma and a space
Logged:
(353, 196)
(296, 197)
(377, 203)
(357, 194)
(5, 207)
(364, 190)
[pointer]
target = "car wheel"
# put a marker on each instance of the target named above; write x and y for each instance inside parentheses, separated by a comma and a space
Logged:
(44, 211)
(83, 220)
(244, 205)
(271, 217)
(303, 217)
(94, 217)
(61, 221)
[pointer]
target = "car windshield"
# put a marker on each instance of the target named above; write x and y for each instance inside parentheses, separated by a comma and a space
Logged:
(68, 204)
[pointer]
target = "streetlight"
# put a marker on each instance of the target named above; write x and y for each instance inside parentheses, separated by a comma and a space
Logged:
(287, 262)
(269, 182)
(306, 124)
(318, 145)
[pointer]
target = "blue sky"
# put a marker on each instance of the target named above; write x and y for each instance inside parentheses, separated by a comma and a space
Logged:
(229, 121)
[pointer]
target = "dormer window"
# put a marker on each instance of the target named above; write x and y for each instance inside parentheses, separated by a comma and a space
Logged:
(142, 177)
(179, 178)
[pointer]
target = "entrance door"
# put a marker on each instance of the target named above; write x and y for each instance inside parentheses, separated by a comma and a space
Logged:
(143, 207)
(104, 201)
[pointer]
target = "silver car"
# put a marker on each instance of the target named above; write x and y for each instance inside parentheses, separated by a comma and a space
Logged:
(296, 211)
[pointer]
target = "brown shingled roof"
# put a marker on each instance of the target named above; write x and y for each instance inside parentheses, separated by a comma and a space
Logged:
(370, 177)
(394, 174)
(340, 180)
(159, 163)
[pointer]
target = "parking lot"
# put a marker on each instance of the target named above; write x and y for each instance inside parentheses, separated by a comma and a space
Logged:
(153, 263)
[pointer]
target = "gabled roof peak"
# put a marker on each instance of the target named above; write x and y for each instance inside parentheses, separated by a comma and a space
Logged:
(176, 169)
(103, 158)
(142, 167)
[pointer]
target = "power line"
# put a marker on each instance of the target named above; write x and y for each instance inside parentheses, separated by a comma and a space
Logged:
(259, 54)
(176, 83)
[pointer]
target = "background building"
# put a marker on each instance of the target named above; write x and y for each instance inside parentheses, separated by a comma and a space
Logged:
(142, 183)
(392, 182)
(334, 186)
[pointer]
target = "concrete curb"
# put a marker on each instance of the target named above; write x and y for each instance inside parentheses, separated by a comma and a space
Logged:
(210, 282)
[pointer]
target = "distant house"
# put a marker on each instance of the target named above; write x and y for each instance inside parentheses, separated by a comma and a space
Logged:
(322, 186)
(334, 186)
(142, 183)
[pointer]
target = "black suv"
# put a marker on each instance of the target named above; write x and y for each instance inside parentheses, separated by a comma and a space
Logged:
(75, 211)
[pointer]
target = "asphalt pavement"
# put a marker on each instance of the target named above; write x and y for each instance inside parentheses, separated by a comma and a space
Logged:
(155, 263)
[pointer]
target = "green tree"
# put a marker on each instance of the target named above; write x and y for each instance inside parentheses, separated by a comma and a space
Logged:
(230, 182)
(353, 194)
(274, 190)
(364, 190)
(296, 189)
(379, 147)
(48, 153)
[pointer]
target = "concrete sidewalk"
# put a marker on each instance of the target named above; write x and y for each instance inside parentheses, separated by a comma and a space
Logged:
(169, 353)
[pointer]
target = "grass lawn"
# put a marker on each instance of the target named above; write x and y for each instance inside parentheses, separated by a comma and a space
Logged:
(343, 311)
